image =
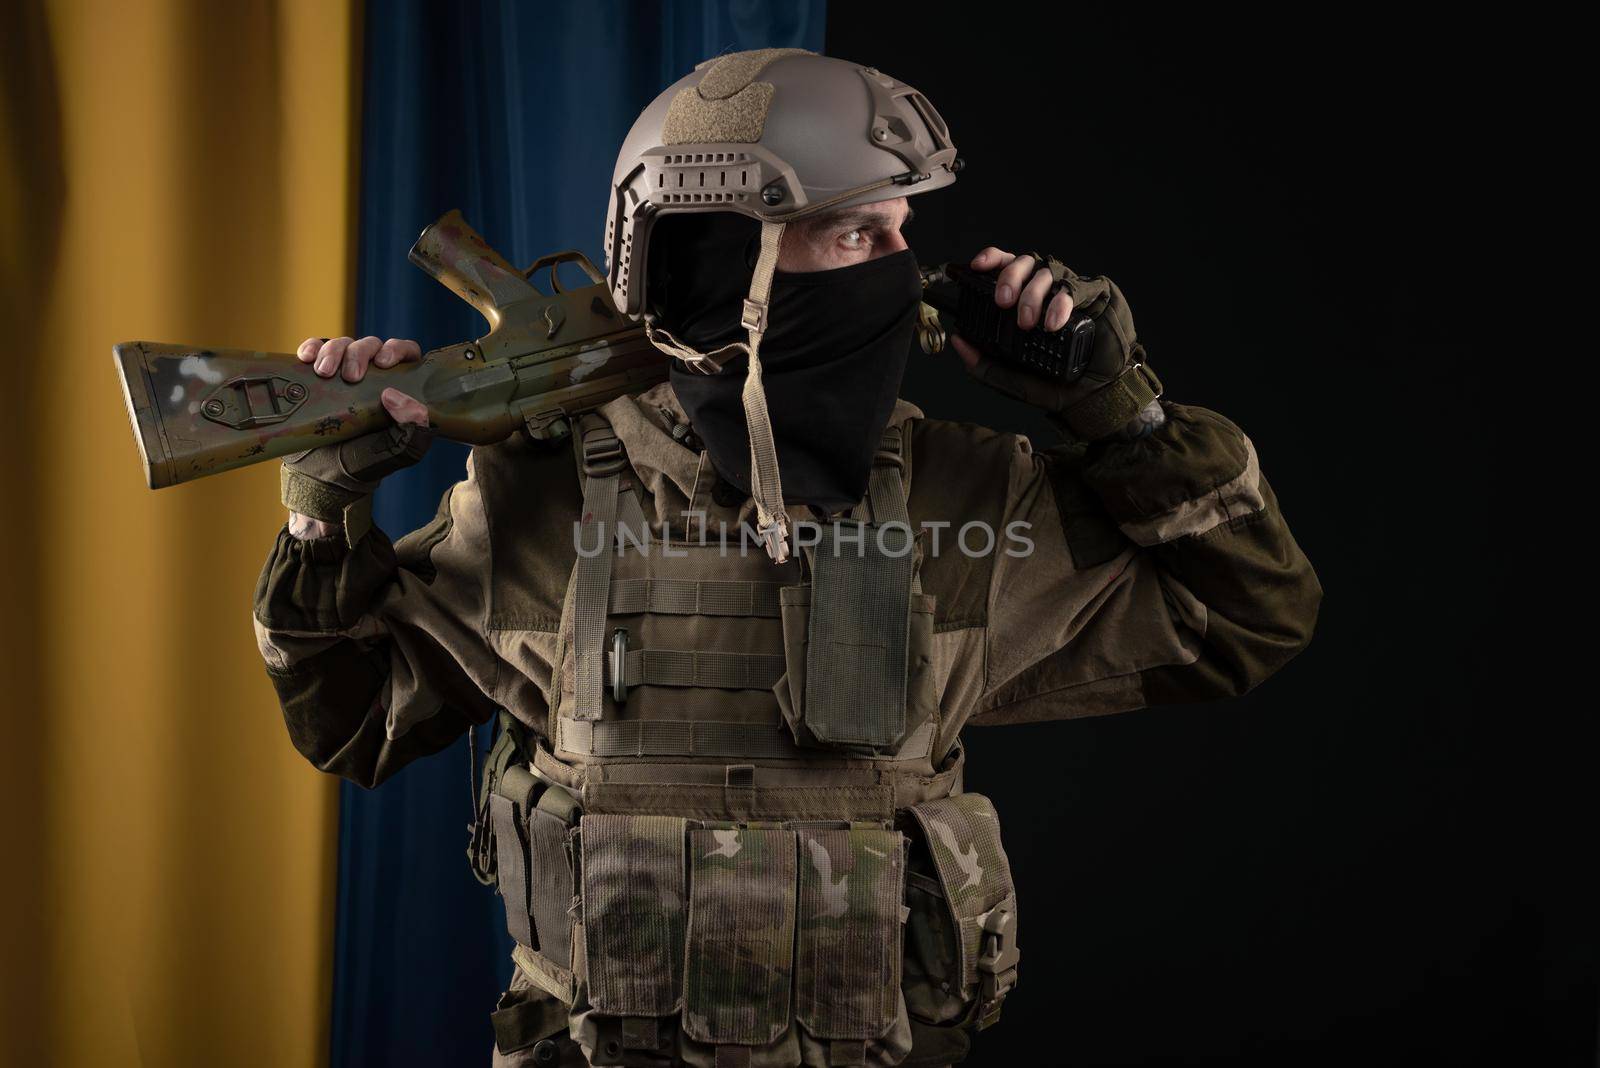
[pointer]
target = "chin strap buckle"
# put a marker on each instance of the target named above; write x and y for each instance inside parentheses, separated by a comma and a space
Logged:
(754, 316)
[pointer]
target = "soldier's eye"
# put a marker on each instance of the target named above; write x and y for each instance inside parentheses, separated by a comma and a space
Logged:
(853, 240)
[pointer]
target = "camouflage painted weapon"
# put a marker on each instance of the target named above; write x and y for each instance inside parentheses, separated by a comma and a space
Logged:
(546, 357)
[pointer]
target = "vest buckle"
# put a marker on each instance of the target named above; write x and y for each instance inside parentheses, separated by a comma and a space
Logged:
(602, 455)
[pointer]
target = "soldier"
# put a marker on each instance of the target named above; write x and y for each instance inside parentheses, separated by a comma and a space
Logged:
(733, 630)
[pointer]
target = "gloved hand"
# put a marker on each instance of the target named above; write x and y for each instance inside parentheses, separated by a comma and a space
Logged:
(329, 488)
(1117, 392)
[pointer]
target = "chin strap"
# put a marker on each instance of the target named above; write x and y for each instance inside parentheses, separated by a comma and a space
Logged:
(766, 487)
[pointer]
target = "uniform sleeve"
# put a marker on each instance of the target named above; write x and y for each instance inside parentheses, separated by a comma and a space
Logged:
(1161, 570)
(378, 652)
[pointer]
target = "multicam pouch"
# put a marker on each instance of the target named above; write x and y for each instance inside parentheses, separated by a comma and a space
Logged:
(772, 926)
(634, 903)
(847, 977)
(741, 935)
(961, 948)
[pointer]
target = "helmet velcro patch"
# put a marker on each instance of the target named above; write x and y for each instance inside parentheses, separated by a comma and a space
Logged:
(738, 119)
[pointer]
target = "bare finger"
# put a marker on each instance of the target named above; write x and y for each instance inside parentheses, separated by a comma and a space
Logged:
(1010, 281)
(1032, 301)
(404, 408)
(397, 350)
(331, 355)
(990, 258)
(308, 349)
(358, 355)
(1059, 312)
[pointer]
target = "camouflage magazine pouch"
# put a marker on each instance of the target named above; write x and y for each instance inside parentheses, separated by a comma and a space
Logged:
(741, 935)
(847, 975)
(634, 905)
(711, 941)
(961, 954)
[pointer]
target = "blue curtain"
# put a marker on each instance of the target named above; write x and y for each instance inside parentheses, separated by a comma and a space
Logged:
(511, 112)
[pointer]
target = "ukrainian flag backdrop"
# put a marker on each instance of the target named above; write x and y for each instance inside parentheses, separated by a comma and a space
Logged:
(181, 888)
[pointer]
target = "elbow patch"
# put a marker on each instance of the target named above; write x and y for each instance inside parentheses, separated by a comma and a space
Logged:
(1196, 472)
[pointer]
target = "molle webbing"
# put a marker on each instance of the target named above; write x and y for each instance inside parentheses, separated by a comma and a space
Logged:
(685, 597)
(723, 671)
(849, 794)
(703, 738)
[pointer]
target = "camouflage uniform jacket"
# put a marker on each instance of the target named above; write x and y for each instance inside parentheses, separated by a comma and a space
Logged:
(1162, 571)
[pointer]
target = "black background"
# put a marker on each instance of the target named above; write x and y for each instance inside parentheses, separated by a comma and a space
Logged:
(1364, 861)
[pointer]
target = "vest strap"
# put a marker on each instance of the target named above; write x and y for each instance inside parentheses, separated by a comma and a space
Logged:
(547, 975)
(702, 738)
(684, 597)
(603, 463)
(886, 489)
(721, 671)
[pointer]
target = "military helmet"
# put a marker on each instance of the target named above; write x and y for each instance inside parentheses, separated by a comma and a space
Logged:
(776, 134)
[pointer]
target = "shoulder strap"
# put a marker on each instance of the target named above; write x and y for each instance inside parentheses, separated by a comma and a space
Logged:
(887, 484)
(602, 462)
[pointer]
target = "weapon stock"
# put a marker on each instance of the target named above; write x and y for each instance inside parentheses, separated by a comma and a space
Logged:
(547, 357)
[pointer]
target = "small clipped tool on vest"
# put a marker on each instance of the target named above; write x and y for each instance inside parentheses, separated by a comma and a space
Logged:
(619, 666)
(959, 300)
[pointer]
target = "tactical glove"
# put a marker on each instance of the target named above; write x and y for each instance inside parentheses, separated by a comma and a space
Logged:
(334, 483)
(1117, 385)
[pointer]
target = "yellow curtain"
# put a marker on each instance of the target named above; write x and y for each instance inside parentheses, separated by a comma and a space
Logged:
(173, 171)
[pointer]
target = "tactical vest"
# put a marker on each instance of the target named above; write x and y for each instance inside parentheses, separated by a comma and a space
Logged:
(738, 843)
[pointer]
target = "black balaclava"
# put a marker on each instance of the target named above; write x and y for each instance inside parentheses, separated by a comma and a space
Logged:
(832, 357)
